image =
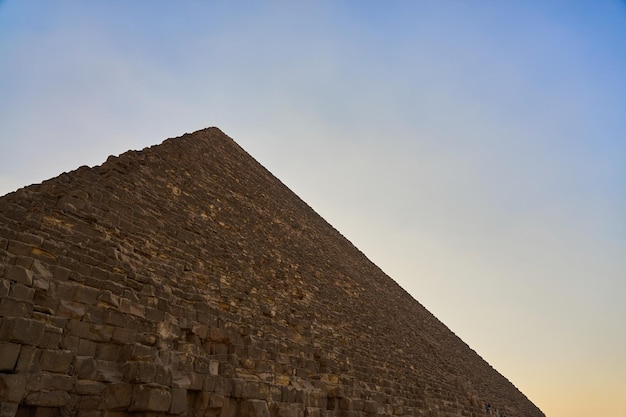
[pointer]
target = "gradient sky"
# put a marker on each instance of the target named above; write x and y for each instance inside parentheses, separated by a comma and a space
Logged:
(475, 151)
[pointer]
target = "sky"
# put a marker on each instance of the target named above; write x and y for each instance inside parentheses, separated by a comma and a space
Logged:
(475, 151)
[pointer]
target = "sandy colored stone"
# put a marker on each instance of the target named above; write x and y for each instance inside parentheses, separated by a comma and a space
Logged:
(185, 279)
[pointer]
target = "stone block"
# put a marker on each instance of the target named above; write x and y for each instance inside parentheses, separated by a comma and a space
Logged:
(202, 365)
(47, 399)
(89, 402)
(123, 336)
(9, 352)
(139, 372)
(29, 238)
(97, 413)
(200, 330)
(11, 307)
(146, 339)
(12, 387)
(40, 283)
(20, 274)
(41, 270)
(217, 401)
(179, 401)
(51, 338)
(108, 299)
(214, 367)
(22, 292)
(117, 396)
(21, 330)
(108, 352)
(181, 380)
(87, 348)
(8, 409)
(97, 370)
(61, 274)
(18, 248)
(196, 381)
(289, 410)
(5, 287)
(45, 381)
(283, 380)
(312, 412)
(150, 397)
(89, 331)
(87, 387)
(275, 393)
(71, 309)
(56, 360)
(28, 360)
(163, 375)
(123, 320)
(370, 406)
(251, 389)
(139, 352)
(254, 408)
(71, 343)
(24, 261)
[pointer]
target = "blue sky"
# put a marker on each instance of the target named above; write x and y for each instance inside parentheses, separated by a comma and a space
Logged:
(473, 150)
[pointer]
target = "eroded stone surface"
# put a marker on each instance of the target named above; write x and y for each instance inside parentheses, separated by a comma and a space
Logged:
(185, 280)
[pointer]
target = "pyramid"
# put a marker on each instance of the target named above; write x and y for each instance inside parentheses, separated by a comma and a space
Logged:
(186, 280)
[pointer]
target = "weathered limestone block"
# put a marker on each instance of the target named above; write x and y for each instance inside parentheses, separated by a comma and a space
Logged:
(97, 370)
(20, 274)
(70, 290)
(196, 381)
(47, 399)
(71, 309)
(22, 292)
(87, 387)
(8, 409)
(21, 330)
(108, 352)
(219, 385)
(370, 406)
(9, 352)
(139, 352)
(282, 380)
(289, 410)
(45, 381)
(179, 401)
(18, 248)
(5, 287)
(150, 397)
(139, 372)
(214, 367)
(28, 360)
(312, 412)
(61, 273)
(89, 402)
(85, 330)
(254, 408)
(251, 389)
(117, 396)
(86, 348)
(12, 387)
(52, 337)
(56, 360)
(201, 365)
(123, 336)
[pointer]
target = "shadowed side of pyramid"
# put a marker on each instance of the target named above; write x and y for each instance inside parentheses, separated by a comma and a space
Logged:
(185, 279)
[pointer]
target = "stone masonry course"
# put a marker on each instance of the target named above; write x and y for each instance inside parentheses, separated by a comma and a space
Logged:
(186, 280)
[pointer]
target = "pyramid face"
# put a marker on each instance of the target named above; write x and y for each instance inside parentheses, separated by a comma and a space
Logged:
(186, 280)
